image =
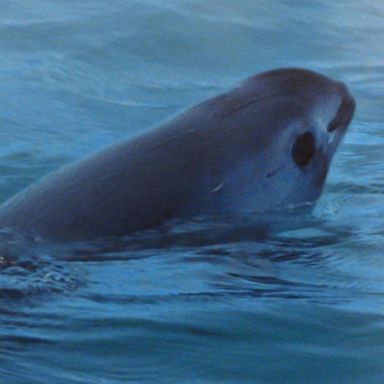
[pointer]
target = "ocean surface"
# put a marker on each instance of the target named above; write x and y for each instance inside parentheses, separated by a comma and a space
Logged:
(196, 302)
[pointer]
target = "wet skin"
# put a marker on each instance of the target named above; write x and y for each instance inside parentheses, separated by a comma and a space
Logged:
(262, 146)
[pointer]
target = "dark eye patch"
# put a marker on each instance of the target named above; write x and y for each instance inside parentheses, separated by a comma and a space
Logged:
(303, 149)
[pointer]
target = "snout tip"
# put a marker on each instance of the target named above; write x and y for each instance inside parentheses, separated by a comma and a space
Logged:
(345, 112)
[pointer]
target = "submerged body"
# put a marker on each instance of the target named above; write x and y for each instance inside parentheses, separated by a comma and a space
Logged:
(264, 145)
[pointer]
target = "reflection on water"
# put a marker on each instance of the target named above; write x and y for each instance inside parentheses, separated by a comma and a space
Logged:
(206, 300)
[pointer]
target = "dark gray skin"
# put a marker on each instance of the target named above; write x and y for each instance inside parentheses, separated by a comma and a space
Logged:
(264, 145)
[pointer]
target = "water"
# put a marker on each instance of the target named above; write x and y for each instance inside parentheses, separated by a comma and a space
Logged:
(195, 302)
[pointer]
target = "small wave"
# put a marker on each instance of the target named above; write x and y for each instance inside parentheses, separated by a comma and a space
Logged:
(27, 269)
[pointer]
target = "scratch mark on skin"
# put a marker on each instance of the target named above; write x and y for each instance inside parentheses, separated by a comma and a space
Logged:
(273, 172)
(218, 188)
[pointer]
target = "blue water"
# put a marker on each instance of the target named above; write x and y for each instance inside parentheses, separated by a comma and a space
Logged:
(196, 302)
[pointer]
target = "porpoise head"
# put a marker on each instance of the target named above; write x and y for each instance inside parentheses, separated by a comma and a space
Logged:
(263, 146)
(287, 125)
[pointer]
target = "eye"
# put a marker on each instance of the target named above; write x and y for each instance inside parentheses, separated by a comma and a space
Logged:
(303, 149)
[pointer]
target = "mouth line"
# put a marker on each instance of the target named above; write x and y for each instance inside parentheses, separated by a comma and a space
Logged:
(337, 128)
(344, 115)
